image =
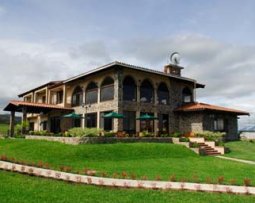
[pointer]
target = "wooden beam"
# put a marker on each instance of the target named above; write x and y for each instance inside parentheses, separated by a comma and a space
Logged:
(12, 124)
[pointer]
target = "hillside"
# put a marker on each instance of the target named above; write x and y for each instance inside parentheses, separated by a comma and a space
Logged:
(5, 119)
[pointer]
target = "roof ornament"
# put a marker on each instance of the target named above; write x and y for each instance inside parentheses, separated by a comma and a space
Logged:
(175, 58)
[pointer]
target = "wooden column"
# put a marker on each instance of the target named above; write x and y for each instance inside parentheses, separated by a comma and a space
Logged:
(24, 119)
(12, 124)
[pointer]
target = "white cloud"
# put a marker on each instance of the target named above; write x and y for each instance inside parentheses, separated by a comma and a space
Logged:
(227, 70)
(2, 10)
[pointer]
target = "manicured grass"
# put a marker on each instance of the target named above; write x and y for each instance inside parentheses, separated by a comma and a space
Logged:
(3, 128)
(242, 150)
(141, 159)
(18, 188)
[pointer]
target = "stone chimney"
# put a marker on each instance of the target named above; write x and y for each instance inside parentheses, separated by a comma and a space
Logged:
(172, 69)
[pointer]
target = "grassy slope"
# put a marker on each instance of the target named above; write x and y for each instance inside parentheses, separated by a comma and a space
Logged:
(3, 128)
(142, 159)
(241, 150)
(18, 188)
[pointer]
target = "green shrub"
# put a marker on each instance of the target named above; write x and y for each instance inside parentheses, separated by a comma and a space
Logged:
(83, 132)
(147, 134)
(176, 134)
(109, 134)
(164, 135)
(184, 139)
(193, 145)
(211, 136)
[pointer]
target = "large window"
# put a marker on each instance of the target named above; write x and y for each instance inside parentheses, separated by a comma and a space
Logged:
(147, 125)
(77, 96)
(163, 124)
(106, 123)
(146, 92)
(187, 96)
(91, 120)
(220, 124)
(129, 121)
(91, 93)
(163, 94)
(129, 89)
(107, 89)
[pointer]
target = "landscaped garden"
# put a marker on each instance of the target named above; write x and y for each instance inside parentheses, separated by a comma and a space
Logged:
(134, 161)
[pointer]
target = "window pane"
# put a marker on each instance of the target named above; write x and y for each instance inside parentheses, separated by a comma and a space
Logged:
(91, 97)
(163, 123)
(107, 93)
(106, 123)
(147, 125)
(91, 120)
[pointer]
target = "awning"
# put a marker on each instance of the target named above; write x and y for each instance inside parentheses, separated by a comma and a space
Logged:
(113, 115)
(146, 117)
(208, 107)
(31, 107)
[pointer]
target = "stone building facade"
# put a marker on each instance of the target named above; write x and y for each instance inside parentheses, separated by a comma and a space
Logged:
(129, 90)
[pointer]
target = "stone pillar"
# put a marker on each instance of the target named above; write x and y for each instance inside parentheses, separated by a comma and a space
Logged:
(24, 119)
(156, 124)
(83, 120)
(98, 119)
(12, 124)
(137, 122)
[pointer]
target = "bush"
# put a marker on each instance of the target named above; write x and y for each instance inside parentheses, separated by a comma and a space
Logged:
(83, 132)
(164, 135)
(109, 134)
(211, 136)
(193, 145)
(176, 134)
(147, 134)
(184, 139)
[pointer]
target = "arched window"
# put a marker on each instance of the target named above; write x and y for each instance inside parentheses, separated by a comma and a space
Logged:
(107, 89)
(91, 93)
(187, 96)
(129, 89)
(77, 96)
(163, 94)
(146, 92)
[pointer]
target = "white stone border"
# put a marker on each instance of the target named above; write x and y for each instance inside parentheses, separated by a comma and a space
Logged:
(124, 183)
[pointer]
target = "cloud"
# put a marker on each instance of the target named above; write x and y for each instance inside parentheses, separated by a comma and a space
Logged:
(226, 69)
(2, 10)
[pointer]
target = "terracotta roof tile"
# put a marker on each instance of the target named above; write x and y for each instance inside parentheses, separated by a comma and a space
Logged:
(202, 107)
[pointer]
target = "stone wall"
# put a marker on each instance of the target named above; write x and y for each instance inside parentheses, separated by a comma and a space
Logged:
(190, 122)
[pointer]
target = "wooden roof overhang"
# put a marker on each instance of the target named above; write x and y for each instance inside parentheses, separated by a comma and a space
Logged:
(18, 106)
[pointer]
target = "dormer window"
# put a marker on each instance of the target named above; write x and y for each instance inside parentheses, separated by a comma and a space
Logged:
(187, 96)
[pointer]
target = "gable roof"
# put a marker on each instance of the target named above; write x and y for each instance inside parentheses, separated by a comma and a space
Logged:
(208, 107)
(118, 63)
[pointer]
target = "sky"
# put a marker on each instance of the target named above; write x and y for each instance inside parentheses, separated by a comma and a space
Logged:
(56, 39)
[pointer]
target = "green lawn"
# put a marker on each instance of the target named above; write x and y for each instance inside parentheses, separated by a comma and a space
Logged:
(242, 150)
(3, 128)
(16, 188)
(141, 159)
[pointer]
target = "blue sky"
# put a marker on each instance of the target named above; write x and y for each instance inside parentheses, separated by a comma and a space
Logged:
(62, 38)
